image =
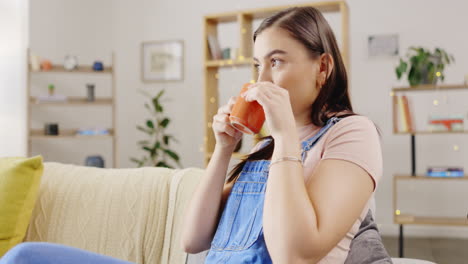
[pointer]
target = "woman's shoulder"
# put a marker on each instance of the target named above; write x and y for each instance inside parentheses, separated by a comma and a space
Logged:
(355, 122)
(353, 127)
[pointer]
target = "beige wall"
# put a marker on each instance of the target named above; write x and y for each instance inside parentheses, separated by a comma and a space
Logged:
(93, 29)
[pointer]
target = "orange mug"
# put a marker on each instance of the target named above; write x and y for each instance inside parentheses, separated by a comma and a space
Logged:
(247, 117)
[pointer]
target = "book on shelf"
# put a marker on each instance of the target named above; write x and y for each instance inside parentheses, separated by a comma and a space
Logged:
(92, 131)
(405, 121)
(215, 49)
(445, 172)
(407, 113)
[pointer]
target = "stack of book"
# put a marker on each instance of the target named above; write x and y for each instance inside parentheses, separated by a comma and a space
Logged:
(449, 123)
(51, 98)
(445, 172)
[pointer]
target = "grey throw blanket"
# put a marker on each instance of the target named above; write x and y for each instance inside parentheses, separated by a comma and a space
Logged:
(367, 246)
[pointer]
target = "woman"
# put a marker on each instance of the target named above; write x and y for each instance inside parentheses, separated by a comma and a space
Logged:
(301, 194)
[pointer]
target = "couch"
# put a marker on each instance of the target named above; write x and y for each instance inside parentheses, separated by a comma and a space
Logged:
(130, 214)
(136, 214)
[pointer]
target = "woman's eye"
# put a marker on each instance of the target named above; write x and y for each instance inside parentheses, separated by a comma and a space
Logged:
(257, 66)
(275, 62)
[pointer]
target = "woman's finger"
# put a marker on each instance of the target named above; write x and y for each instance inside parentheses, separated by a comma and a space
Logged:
(228, 129)
(221, 118)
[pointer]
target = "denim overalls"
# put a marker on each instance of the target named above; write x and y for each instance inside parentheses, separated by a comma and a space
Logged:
(239, 237)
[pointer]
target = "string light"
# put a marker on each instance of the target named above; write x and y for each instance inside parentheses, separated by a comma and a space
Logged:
(436, 102)
(456, 147)
(438, 74)
(392, 93)
(212, 100)
(397, 212)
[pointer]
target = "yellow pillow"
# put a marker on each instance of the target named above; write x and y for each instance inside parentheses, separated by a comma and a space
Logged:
(19, 184)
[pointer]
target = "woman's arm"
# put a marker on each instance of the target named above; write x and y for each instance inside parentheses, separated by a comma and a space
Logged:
(203, 211)
(302, 224)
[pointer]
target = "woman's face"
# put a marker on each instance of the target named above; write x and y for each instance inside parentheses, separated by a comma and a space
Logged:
(284, 61)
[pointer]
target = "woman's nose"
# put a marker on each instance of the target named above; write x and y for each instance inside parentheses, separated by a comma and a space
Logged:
(264, 76)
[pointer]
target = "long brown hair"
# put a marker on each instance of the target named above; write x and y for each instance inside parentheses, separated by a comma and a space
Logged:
(308, 26)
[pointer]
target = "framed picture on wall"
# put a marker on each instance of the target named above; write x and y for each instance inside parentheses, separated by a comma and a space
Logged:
(162, 61)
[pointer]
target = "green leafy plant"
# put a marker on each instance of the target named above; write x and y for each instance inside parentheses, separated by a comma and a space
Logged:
(156, 148)
(423, 66)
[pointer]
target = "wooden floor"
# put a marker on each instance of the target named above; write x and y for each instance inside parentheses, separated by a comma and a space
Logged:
(438, 250)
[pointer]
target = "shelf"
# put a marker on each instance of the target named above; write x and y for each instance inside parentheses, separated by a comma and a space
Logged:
(244, 21)
(79, 101)
(422, 177)
(235, 155)
(66, 134)
(80, 69)
(431, 132)
(422, 220)
(430, 87)
(229, 63)
(261, 13)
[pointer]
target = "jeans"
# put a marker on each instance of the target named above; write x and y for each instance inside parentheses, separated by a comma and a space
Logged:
(48, 253)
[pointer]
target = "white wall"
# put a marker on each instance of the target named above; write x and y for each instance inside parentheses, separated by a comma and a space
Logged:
(429, 23)
(13, 41)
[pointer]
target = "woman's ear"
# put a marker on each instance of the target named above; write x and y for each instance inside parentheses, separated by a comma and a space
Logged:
(326, 67)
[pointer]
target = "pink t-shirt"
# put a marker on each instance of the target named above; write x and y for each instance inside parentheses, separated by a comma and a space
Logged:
(354, 139)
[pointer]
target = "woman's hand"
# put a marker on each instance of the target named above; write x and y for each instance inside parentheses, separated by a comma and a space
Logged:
(276, 104)
(226, 135)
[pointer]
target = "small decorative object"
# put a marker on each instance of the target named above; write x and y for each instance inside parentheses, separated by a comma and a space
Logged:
(90, 92)
(162, 61)
(226, 53)
(70, 63)
(94, 161)
(423, 66)
(46, 65)
(98, 66)
(247, 117)
(51, 89)
(35, 64)
(382, 45)
(157, 150)
(51, 129)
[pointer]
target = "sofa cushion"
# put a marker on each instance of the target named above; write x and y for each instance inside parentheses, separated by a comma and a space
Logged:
(19, 184)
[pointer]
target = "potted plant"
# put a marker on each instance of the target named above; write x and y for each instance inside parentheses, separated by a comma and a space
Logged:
(423, 66)
(157, 150)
